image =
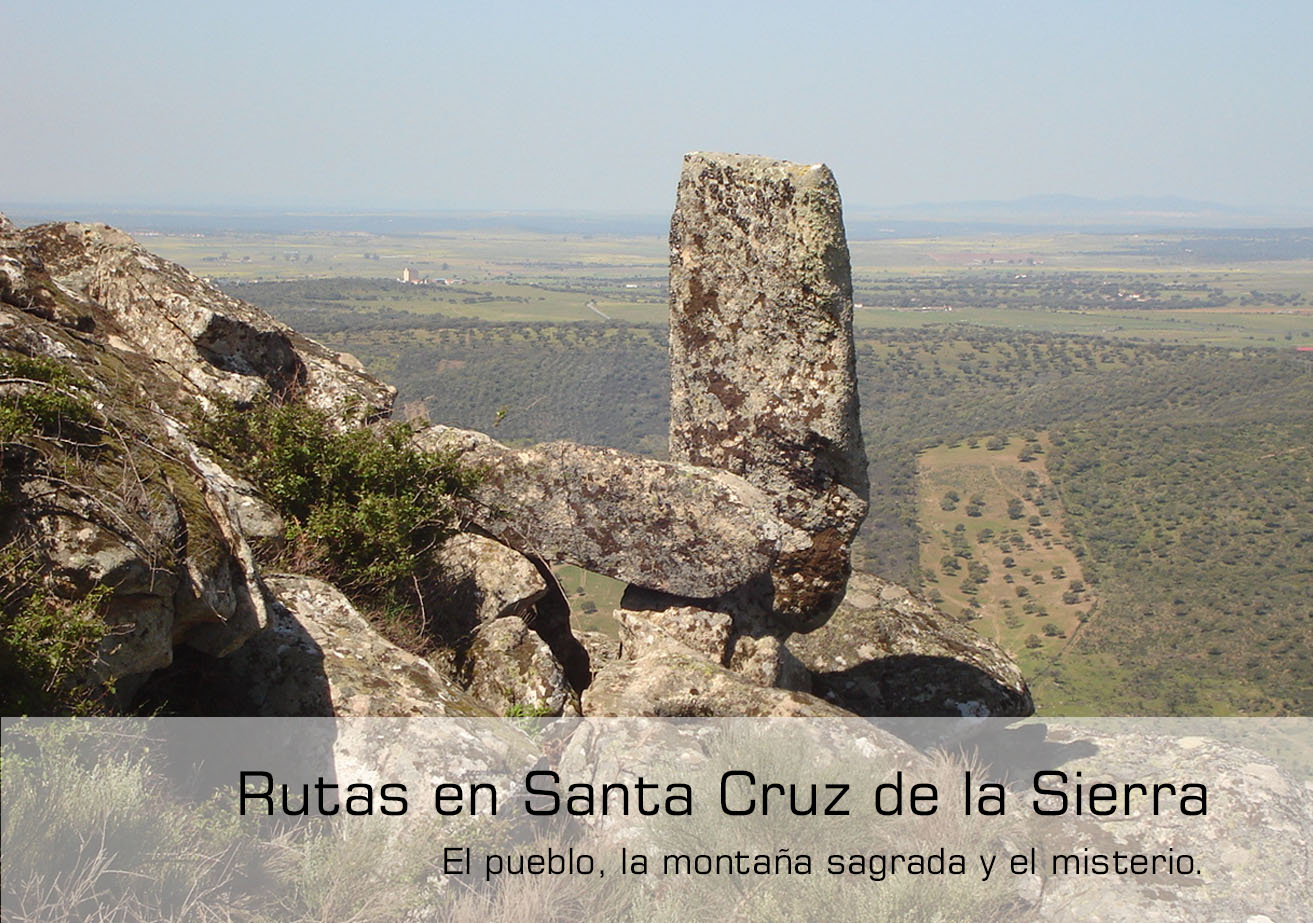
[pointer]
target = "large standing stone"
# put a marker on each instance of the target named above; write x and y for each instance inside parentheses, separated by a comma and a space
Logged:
(763, 376)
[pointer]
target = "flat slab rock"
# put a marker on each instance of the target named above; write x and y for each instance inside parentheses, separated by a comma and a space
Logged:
(672, 527)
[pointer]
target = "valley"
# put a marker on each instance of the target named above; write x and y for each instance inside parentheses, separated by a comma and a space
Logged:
(1144, 399)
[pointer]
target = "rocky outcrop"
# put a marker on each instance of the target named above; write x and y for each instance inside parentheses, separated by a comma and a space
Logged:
(677, 528)
(729, 549)
(126, 499)
(763, 374)
(213, 342)
(887, 652)
(123, 499)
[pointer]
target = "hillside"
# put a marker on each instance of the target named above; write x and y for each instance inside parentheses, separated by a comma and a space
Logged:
(206, 512)
(1217, 438)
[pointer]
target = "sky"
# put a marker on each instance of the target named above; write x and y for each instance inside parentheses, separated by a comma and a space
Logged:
(590, 105)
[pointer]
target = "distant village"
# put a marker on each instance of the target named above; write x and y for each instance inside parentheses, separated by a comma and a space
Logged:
(410, 277)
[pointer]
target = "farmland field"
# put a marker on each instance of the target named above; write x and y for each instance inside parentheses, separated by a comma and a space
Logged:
(1127, 286)
(995, 547)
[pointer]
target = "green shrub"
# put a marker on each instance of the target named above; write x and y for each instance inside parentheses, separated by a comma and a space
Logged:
(362, 505)
(46, 644)
(38, 398)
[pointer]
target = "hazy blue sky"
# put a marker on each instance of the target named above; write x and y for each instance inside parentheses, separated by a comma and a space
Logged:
(589, 105)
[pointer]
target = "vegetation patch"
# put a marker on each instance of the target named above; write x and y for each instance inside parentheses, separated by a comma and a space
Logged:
(363, 506)
(46, 644)
(593, 598)
(37, 399)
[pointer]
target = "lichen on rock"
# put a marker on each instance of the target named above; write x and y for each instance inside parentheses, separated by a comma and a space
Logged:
(762, 364)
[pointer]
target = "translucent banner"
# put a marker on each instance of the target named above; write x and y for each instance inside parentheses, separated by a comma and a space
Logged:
(657, 819)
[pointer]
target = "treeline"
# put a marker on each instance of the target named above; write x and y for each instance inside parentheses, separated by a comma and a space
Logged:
(1239, 247)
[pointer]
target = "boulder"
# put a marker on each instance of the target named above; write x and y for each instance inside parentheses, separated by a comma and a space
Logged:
(671, 680)
(124, 506)
(887, 652)
(320, 657)
(685, 530)
(512, 671)
(652, 620)
(763, 374)
(479, 580)
(734, 631)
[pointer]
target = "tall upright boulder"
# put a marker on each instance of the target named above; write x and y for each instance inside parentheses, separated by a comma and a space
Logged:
(763, 374)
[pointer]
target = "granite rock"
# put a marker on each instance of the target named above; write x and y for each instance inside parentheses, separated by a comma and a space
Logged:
(763, 373)
(888, 652)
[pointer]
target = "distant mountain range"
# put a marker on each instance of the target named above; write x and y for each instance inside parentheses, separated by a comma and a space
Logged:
(1129, 213)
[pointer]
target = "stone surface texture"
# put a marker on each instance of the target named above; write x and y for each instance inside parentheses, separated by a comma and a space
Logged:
(320, 657)
(142, 508)
(685, 530)
(888, 652)
(512, 671)
(671, 680)
(763, 373)
(1253, 860)
(481, 580)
